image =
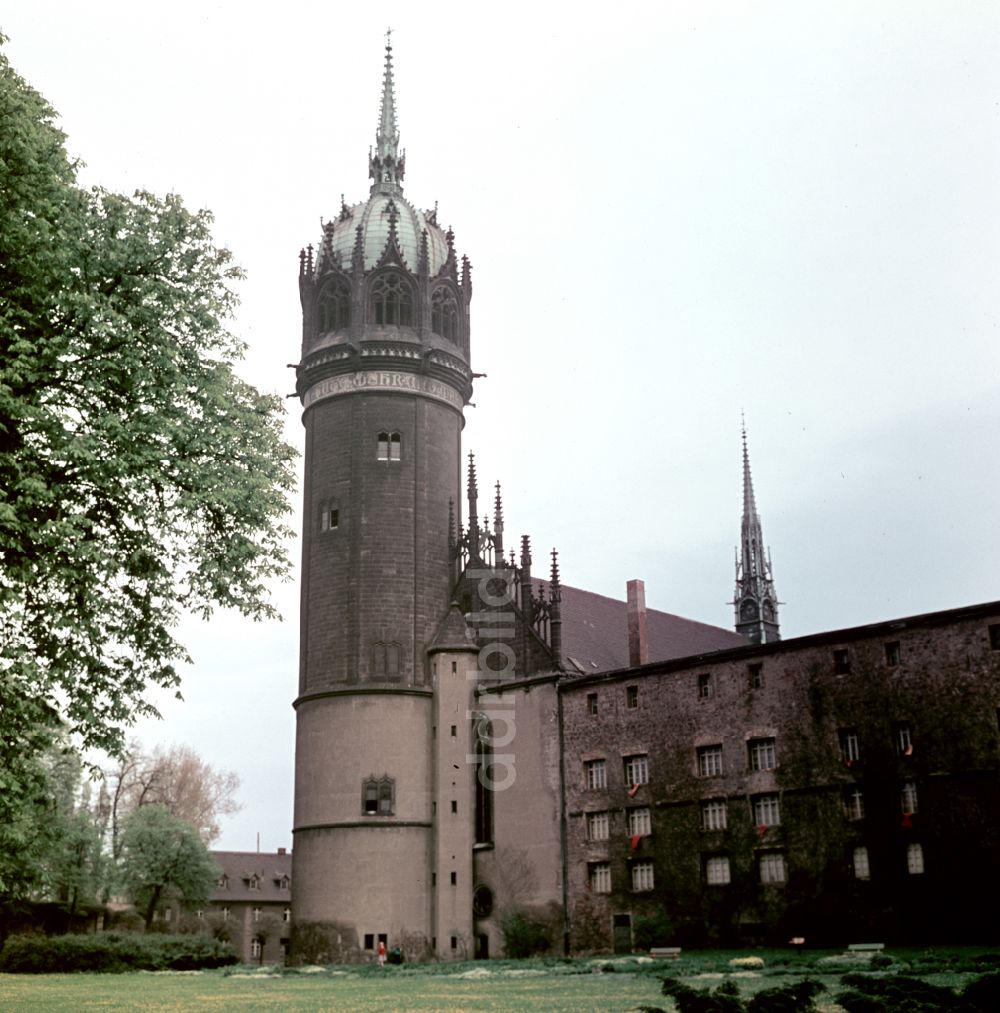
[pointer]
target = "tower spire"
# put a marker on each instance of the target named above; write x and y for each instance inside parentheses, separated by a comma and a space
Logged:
(386, 162)
(755, 600)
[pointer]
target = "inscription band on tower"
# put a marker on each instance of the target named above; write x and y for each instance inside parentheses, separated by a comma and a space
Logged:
(382, 381)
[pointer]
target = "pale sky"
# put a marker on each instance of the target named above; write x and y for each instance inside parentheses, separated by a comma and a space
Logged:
(675, 212)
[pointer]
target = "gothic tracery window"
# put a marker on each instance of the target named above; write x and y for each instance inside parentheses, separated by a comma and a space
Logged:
(335, 307)
(444, 313)
(391, 301)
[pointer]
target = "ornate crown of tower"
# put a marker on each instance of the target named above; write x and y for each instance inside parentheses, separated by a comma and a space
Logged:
(385, 285)
(755, 600)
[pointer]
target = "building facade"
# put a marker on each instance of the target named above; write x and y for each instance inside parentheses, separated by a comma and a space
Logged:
(475, 741)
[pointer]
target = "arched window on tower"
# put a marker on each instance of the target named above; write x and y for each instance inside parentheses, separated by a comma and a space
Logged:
(378, 795)
(483, 732)
(386, 660)
(392, 301)
(335, 307)
(444, 313)
(389, 447)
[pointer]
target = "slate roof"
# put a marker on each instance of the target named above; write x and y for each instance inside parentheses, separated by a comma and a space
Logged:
(595, 633)
(239, 867)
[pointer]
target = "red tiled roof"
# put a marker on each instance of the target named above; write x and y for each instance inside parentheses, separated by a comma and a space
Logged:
(595, 633)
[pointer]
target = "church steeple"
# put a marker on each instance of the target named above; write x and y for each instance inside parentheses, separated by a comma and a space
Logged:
(755, 601)
(386, 163)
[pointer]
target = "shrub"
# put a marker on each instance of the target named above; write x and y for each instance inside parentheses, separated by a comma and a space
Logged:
(524, 934)
(654, 929)
(693, 1000)
(983, 994)
(896, 994)
(112, 952)
(794, 998)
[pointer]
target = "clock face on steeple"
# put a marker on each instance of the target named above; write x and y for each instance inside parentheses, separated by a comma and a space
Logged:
(748, 611)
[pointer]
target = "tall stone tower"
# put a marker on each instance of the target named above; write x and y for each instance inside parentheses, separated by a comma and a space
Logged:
(383, 377)
(755, 600)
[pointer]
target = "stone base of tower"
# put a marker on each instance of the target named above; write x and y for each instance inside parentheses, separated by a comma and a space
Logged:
(358, 886)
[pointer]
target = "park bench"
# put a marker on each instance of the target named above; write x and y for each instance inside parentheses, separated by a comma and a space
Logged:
(665, 952)
(865, 950)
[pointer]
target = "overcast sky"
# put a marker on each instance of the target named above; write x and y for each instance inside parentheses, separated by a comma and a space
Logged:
(675, 212)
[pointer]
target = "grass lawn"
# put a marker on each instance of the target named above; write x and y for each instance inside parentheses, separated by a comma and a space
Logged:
(546, 986)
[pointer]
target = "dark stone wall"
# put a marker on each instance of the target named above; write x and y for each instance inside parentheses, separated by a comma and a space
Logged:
(945, 689)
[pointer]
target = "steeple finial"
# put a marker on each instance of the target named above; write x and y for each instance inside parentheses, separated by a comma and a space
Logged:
(498, 525)
(473, 495)
(755, 600)
(387, 164)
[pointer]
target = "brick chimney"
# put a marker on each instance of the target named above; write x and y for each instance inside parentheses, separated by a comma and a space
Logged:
(638, 645)
(281, 851)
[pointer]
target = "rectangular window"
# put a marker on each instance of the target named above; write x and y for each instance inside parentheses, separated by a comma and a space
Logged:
(850, 746)
(914, 859)
(841, 661)
(904, 740)
(709, 761)
(454, 879)
(755, 676)
(771, 865)
(255, 947)
(631, 697)
(908, 797)
(636, 770)
(854, 804)
(642, 876)
(767, 811)
(597, 774)
(704, 685)
(995, 637)
(598, 825)
(717, 870)
(713, 814)
(599, 877)
(331, 519)
(762, 754)
(256, 914)
(369, 940)
(454, 805)
(892, 653)
(592, 704)
(454, 731)
(639, 822)
(859, 861)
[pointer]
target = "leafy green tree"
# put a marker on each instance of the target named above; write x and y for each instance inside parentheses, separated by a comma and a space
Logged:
(140, 478)
(162, 857)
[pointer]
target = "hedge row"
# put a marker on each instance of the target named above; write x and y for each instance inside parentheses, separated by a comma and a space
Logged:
(113, 952)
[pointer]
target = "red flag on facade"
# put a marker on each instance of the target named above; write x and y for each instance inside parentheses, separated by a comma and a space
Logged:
(635, 840)
(633, 790)
(908, 820)
(762, 830)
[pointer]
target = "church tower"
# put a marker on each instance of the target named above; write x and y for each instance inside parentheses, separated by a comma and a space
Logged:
(383, 378)
(755, 600)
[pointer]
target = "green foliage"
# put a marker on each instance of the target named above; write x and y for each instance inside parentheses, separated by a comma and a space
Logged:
(163, 855)
(983, 994)
(139, 476)
(654, 929)
(895, 994)
(524, 933)
(796, 997)
(112, 952)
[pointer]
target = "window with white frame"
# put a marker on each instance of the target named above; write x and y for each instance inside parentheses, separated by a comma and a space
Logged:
(762, 754)
(639, 822)
(256, 914)
(854, 804)
(631, 697)
(767, 811)
(709, 761)
(286, 915)
(717, 870)
(225, 914)
(389, 447)
(771, 865)
(904, 740)
(255, 947)
(636, 770)
(713, 814)
(859, 861)
(599, 877)
(704, 685)
(908, 797)
(598, 825)
(850, 745)
(914, 859)
(642, 876)
(597, 773)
